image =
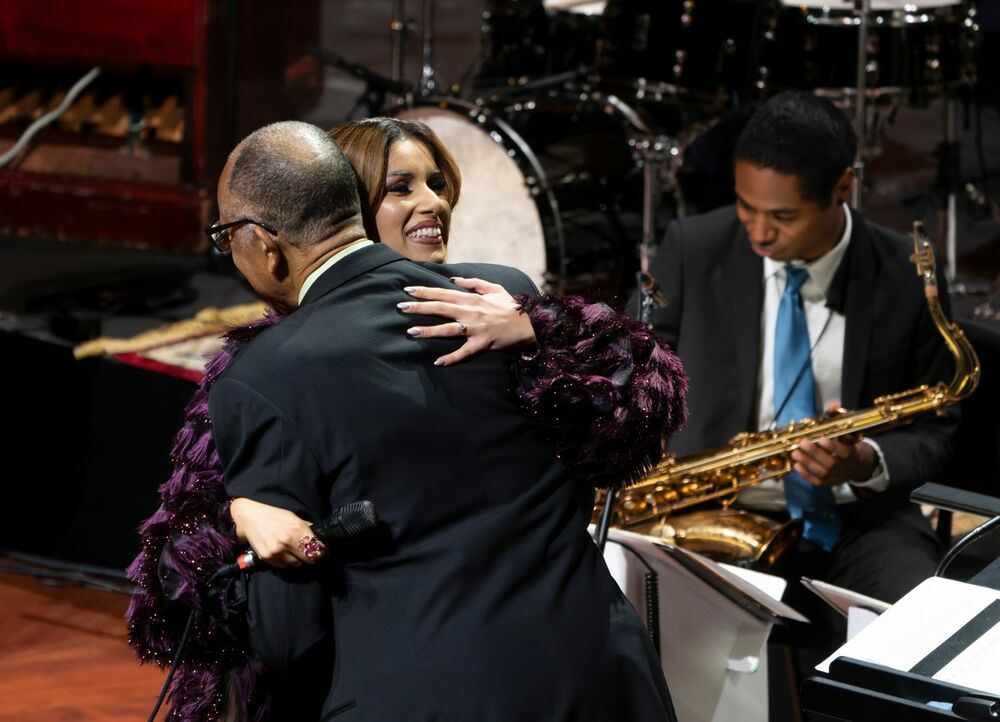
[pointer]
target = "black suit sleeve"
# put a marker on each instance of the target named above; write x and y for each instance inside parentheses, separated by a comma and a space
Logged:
(265, 458)
(514, 281)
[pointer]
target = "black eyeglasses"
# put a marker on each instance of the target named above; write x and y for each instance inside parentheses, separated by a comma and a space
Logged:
(218, 233)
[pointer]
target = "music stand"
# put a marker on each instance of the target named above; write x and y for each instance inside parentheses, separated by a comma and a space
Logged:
(859, 691)
(713, 625)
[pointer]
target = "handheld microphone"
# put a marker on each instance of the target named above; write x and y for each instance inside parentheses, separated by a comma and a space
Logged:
(348, 521)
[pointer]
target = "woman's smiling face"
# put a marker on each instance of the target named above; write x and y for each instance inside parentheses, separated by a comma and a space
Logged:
(414, 216)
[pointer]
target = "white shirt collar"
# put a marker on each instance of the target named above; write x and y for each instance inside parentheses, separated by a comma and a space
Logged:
(822, 270)
(339, 255)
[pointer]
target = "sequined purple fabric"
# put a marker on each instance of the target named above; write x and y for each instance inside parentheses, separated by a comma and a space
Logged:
(182, 544)
(606, 392)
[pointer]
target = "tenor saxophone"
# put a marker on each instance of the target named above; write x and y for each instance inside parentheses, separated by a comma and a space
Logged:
(674, 485)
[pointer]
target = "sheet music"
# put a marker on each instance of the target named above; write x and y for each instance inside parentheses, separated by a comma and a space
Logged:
(976, 667)
(843, 599)
(857, 619)
(770, 584)
(923, 620)
(753, 590)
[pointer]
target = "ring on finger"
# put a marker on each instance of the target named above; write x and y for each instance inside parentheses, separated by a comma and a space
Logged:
(311, 547)
(461, 328)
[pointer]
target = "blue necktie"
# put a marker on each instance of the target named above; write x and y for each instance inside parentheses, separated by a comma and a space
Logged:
(794, 401)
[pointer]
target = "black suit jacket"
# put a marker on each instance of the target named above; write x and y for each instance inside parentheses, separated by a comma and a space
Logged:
(714, 285)
(491, 601)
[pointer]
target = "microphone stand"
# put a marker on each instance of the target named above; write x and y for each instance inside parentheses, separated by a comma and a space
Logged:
(973, 536)
(604, 522)
(863, 8)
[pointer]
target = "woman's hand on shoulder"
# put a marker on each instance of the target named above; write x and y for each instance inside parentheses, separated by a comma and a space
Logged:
(489, 318)
(278, 536)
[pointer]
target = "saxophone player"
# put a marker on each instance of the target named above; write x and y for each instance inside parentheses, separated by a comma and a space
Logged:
(790, 302)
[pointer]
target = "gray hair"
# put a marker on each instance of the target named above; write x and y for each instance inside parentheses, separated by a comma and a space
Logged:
(293, 177)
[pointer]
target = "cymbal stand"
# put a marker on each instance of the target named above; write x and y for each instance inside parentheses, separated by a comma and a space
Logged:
(949, 172)
(863, 9)
(397, 28)
(650, 150)
(653, 154)
(428, 85)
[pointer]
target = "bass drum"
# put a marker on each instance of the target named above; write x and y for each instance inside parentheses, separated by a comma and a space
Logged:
(544, 183)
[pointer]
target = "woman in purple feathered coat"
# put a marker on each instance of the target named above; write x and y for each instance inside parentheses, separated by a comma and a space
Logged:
(603, 389)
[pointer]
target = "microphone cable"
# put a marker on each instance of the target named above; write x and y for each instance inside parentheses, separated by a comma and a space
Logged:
(173, 665)
(348, 521)
(973, 536)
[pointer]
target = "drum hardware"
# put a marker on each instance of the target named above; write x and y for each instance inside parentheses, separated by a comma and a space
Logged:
(863, 8)
(696, 53)
(904, 54)
(524, 40)
(376, 87)
(428, 84)
(920, 49)
(397, 28)
(652, 154)
(949, 172)
(524, 84)
(881, 108)
(652, 157)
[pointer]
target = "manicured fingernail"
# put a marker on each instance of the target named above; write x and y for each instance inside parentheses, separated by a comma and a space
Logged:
(409, 289)
(439, 362)
(403, 305)
(413, 331)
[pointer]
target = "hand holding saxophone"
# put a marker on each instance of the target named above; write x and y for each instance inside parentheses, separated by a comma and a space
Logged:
(829, 462)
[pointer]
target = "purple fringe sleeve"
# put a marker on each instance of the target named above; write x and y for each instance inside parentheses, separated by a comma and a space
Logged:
(182, 544)
(607, 393)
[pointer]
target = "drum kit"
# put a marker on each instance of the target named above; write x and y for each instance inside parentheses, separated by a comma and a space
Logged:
(572, 134)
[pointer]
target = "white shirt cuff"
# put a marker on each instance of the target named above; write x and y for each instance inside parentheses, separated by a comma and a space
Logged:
(879, 482)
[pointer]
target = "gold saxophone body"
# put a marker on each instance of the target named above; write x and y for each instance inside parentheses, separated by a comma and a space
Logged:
(739, 537)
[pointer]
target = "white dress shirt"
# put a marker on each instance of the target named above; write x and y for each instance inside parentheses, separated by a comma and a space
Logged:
(826, 339)
(348, 250)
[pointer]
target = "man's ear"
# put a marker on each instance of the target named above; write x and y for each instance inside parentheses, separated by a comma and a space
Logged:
(277, 264)
(842, 191)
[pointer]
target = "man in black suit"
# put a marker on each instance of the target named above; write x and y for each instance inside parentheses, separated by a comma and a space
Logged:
(725, 275)
(487, 600)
